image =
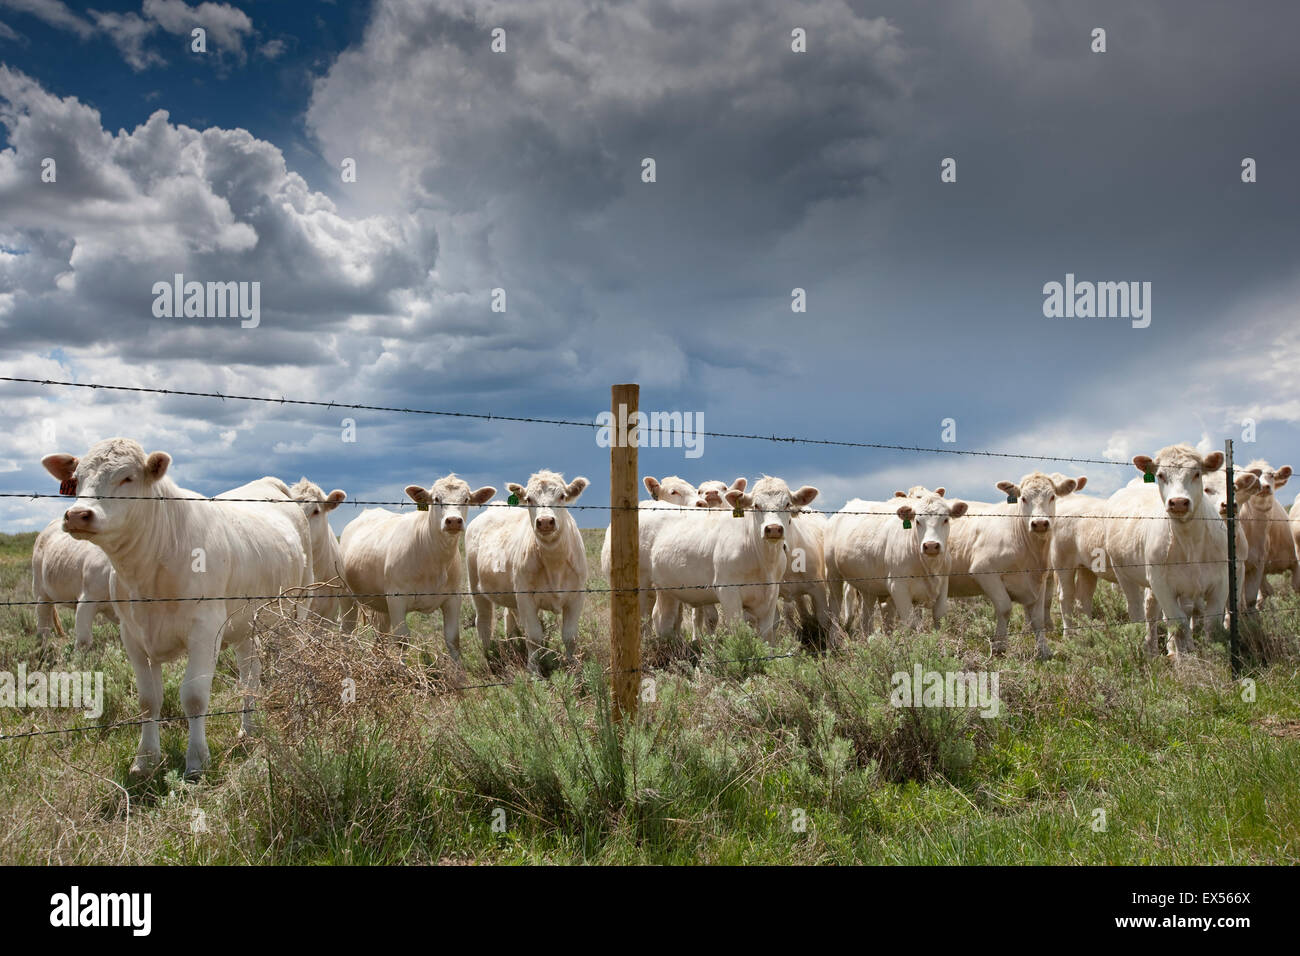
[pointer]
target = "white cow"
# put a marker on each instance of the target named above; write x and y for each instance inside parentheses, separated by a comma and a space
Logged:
(68, 571)
(667, 498)
(1215, 485)
(1077, 553)
(1003, 551)
(1268, 530)
(528, 559)
(397, 563)
(326, 555)
(713, 494)
(804, 586)
(178, 549)
(705, 557)
(1167, 536)
(876, 557)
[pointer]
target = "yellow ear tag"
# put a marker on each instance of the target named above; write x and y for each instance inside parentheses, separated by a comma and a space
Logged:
(738, 512)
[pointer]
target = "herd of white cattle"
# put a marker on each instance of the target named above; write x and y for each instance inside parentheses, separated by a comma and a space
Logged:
(180, 576)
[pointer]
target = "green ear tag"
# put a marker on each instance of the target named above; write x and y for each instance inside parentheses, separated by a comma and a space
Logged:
(906, 523)
(737, 512)
(1012, 499)
(513, 499)
(421, 506)
(1148, 477)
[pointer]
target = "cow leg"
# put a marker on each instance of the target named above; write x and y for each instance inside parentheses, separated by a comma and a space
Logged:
(664, 617)
(451, 626)
(867, 605)
(484, 620)
(1037, 621)
(765, 615)
(900, 597)
(86, 611)
(1152, 614)
(1067, 583)
(397, 616)
(1251, 588)
(148, 683)
(196, 690)
(350, 609)
(997, 594)
(1265, 590)
(250, 681)
(534, 632)
(1085, 586)
(941, 604)
(1175, 616)
(45, 614)
(569, 624)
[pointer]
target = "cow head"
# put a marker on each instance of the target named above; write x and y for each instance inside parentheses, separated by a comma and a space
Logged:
(448, 501)
(673, 490)
(714, 493)
(1245, 485)
(1036, 499)
(546, 494)
(1180, 472)
(931, 518)
(108, 481)
(920, 491)
(771, 505)
(1270, 480)
(317, 505)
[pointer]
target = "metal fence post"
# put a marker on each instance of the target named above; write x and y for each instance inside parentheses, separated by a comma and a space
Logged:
(1234, 644)
(624, 553)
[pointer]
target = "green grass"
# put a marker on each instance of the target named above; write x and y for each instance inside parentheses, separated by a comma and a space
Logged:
(720, 768)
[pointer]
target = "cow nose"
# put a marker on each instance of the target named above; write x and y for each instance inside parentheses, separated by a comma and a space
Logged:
(453, 523)
(78, 517)
(1040, 524)
(1179, 506)
(546, 525)
(931, 547)
(773, 531)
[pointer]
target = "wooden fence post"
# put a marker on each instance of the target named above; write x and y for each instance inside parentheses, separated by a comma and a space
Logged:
(624, 573)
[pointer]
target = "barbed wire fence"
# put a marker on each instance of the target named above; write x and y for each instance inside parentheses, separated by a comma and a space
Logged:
(335, 593)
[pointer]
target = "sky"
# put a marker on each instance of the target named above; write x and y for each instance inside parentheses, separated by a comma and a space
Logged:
(522, 170)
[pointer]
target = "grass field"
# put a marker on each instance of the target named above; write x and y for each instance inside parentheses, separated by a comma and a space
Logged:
(722, 767)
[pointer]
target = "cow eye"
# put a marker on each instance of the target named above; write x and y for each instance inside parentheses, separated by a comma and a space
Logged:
(1053, 498)
(125, 480)
(437, 501)
(315, 512)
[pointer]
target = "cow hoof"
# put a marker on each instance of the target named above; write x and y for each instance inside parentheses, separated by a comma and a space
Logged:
(1045, 654)
(143, 765)
(84, 645)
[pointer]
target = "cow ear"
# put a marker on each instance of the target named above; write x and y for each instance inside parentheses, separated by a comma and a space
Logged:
(60, 466)
(804, 496)
(1009, 488)
(737, 498)
(651, 485)
(900, 494)
(515, 488)
(740, 484)
(155, 466)
(940, 490)
(575, 489)
(1080, 482)
(1213, 461)
(1144, 463)
(419, 495)
(957, 509)
(906, 512)
(1066, 487)
(1281, 476)
(334, 499)
(1246, 481)
(483, 495)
